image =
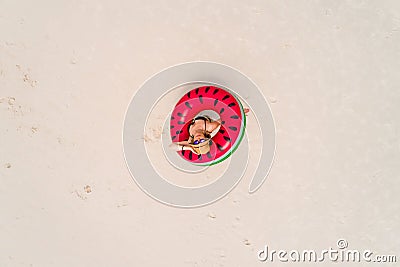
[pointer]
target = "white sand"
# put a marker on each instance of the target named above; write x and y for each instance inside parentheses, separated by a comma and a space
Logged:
(68, 71)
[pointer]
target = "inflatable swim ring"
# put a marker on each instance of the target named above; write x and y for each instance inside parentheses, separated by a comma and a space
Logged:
(233, 122)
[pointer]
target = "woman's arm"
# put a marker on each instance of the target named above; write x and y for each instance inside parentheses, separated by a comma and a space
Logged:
(183, 145)
(213, 125)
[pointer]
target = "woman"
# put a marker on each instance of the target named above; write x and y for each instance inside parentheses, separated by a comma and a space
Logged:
(201, 130)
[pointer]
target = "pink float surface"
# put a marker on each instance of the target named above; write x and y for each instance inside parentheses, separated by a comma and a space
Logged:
(232, 118)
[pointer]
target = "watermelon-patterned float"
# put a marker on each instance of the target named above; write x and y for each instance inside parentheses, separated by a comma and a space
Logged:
(233, 122)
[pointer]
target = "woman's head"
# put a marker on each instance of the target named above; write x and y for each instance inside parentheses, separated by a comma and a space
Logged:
(201, 143)
(200, 137)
